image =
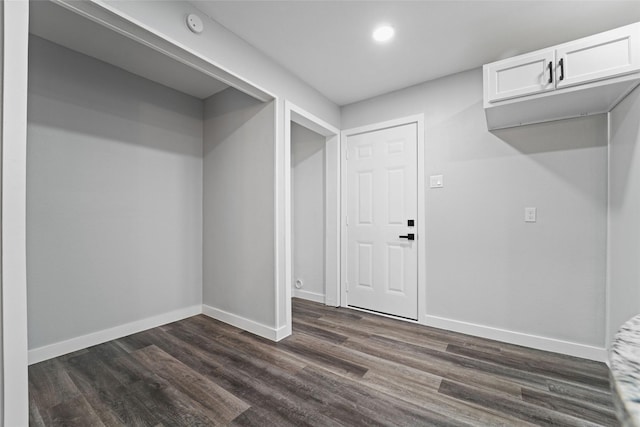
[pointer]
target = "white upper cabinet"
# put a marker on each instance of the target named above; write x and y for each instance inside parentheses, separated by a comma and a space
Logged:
(598, 57)
(522, 75)
(583, 77)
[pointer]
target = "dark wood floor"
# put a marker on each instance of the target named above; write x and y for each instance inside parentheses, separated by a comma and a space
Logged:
(340, 367)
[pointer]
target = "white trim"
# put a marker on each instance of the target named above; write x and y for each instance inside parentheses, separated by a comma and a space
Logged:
(74, 344)
(311, 122)
(282, 332)
(309, 296)
(284, 167)
(257, 328)
(332, 221)
(281, 272)
(15, 392)
(421, 224)
(607, 284)
(518, 338)
(420, 220)
(332, 230)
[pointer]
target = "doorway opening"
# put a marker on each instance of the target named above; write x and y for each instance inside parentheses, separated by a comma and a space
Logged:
(312, 210)
(308, 213)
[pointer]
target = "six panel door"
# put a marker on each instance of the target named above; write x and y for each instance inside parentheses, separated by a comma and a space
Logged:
(382, 267)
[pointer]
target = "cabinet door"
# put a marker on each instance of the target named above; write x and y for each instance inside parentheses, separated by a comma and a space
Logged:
(602, 56)
(521, 75)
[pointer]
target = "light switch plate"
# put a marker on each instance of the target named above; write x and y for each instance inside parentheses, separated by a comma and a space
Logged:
(530, 214)
(436, 181)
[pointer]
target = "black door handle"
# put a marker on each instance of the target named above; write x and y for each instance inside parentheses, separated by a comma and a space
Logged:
(409, 236)
(550, 72)
(561, 63)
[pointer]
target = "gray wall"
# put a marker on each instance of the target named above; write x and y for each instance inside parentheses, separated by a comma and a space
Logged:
(222, 46)
(114, 196)
(308, 190)
(624, 212)
(484, 264)
(239, 206)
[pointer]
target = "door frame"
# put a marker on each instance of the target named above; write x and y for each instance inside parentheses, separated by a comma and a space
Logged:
(293, 113)
(13, 136)
(418, 119)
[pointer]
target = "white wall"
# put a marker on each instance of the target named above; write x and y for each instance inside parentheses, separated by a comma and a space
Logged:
(485, 265)
(114, 197)
(624, 212)
(239, 209)
(308, 190)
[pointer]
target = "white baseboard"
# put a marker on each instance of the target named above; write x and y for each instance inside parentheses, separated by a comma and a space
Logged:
(50, 351)
(308, 295)
(283, 332)
(518, 338)
(249, 325)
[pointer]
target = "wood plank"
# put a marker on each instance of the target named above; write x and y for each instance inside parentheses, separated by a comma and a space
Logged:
(249, 344)
(35, 417)
(576, 408)
(259, 417)
(321, 333)
(517, 408)
(439, 367)
(221, 406)
(340, 367)
(318, 356)
(565, 372)
(93, 377)
(169, 405)
(254, 381)
(520, 376)
(366, 407)
(581, 392)
(50, 385)
(74, 413)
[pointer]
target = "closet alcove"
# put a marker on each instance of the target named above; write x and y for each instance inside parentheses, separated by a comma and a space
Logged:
(308, 181)
(149, 182)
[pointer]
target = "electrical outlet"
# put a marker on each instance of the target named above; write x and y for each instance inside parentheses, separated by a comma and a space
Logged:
(530, 214)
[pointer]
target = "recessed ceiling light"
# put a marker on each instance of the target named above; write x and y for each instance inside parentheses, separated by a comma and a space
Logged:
(383, 33)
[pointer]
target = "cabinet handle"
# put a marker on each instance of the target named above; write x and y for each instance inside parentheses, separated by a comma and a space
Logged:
(550, 72)
(561, 63)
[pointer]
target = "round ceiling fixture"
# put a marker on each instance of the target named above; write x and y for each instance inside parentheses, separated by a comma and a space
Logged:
(195, 23)
(383, 33)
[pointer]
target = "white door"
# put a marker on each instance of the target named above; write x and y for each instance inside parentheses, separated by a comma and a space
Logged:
(521, 75)
(382, 191)
(602, 56)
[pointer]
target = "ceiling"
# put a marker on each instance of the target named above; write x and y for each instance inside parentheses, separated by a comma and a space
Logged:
(328, 43)
(71, 30)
